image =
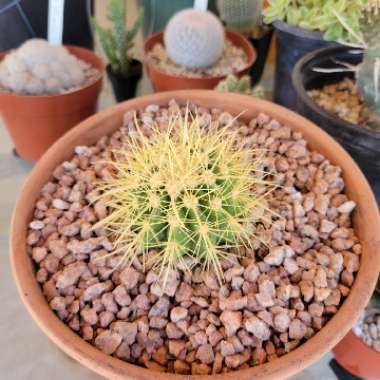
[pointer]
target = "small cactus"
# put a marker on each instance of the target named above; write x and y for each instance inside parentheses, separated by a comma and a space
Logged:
(38, 68)
(118, 41)
(240, 85)
(368, 74)
(194, 38)
(189, 193)
(241, 15)
(234, 84)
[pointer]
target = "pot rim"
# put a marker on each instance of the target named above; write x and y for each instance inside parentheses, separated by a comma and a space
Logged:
(114, 368)
(302, 93)
(301, 32)
(245, 44)
(73, 49)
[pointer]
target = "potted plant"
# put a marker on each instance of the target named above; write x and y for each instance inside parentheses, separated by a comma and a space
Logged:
(338, 88)
(363, 356)
(242, 85)
(123, 71)
(245, 17)
(195, 52)
(302, 27)
(45, 90)
(162, 242)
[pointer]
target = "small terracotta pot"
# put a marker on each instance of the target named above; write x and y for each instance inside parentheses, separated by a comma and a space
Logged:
(163, 81)
(35, 122)
(366, 224)
(357, 358)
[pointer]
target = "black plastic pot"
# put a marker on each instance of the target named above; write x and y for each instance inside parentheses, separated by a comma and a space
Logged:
(261, 44)
(292, 44)
(362, 143)
(125, 87)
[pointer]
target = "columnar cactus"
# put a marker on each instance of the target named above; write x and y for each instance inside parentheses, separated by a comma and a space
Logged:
(118, 41)
(368, 75)
(190, 194)
(241, 15)
(194, 38)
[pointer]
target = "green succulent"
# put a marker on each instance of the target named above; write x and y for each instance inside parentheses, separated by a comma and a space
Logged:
(240, 85)
(117, 41)
(234, 84)
(368, 74)
(327, 16)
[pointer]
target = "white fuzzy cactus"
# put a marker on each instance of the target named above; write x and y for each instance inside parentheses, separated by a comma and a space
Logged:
(194, 39)
(38, 68)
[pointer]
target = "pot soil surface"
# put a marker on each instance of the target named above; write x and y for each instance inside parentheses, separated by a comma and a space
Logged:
(275, 296)
(343, 100)
(233, 59)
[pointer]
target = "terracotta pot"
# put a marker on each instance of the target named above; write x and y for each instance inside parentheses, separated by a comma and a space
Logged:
(35, 122)
(358, 358)
(366, 224)
(162, 81)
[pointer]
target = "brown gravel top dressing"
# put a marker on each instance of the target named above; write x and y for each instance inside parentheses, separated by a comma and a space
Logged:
(343, 100)
(233, 59)
(273, 299)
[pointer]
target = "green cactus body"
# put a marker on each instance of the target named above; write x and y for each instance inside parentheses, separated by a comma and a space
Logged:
(368, 79)
(368, 75)
(241, 15)
(199, 203)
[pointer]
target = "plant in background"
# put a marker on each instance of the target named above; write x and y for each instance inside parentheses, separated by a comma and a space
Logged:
(320, 15)
(234, 84)
(240, 15)
(190, 194)
(239, 85)
(39, 68)
(194, 38)
(118, 41)
(368, 73)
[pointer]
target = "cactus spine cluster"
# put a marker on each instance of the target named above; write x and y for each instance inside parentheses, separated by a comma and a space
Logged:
(117, 41)
(368, 75)
(194, 39)
(189, 193)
